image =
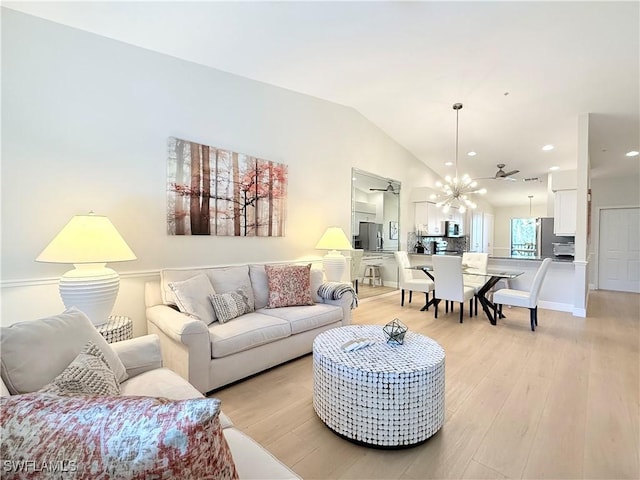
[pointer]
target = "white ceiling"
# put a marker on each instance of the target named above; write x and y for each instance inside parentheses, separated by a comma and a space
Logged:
(524, 71)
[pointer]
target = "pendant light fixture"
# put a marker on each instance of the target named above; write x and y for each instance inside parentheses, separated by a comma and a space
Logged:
(455, 191)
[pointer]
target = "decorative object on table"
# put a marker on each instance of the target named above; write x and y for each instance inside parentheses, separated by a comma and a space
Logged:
(333, 262)
(212, 191)
(117, 329)
(456, 190)
(393, 230)
(419, 247)
(89, 242)
(395, 331)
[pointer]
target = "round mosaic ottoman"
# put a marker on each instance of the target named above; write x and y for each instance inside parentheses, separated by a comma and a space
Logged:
(384, 395)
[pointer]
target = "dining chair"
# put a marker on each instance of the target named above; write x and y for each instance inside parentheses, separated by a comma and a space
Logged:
(522, 298)
(409, 282)
(356, 260)
(477, 261)
(447, 271)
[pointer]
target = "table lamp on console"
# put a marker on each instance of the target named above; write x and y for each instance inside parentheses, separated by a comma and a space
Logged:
(89, 242)
(334, 263)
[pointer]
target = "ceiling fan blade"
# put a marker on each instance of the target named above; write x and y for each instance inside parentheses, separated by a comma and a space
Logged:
(512, 172)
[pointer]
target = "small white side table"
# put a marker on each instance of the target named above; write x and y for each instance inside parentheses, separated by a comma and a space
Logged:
(117, 328)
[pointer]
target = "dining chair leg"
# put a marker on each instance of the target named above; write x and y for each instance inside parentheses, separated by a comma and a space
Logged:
(446, 306)
(536, 315)
(532, 316)
(426, 296)
(476, 303)
(402, 298)
(436, 305)
(461, 310)
(471, 308)
(410, 295)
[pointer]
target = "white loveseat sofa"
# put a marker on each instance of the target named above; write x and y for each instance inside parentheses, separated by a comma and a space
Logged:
(214, 355)
(33, 353)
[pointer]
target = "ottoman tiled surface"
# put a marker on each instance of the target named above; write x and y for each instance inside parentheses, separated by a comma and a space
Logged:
(384, 395)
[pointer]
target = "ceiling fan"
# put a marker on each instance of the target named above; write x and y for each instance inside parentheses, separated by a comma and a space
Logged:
(389, 189)
(501, 174)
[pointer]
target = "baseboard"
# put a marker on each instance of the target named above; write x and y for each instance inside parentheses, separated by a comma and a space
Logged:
(557, 306)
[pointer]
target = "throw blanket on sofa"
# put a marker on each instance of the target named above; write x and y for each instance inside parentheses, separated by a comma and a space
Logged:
(335, 291)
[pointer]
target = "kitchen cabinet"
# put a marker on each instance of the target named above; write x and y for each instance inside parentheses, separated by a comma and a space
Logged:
(428, 219)
(564, 212)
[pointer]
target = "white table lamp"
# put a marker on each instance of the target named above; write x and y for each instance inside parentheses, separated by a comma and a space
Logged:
(89, 242)
(334, 262)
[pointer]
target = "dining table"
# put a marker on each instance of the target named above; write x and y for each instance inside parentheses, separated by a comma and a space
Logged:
(492, 275)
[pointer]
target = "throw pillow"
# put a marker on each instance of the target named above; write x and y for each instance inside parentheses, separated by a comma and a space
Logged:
(230, 305)
(116, 437)
(289, 285)
(34, 352)
(89, 373)
(192, 297)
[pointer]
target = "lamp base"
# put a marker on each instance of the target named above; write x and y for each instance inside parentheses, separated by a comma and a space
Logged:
(92, 288)
(333, 264)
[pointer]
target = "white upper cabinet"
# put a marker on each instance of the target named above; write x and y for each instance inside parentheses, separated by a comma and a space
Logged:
(564, 213)
(428, 219)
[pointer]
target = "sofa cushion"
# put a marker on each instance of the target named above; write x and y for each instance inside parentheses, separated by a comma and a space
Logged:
(33, 353)
(289, 285)
(89, 373)
(230, 305)
(230, 279)
(306, 318)
(118, 437)
(162, 382)
(192, 297)
(245, 332)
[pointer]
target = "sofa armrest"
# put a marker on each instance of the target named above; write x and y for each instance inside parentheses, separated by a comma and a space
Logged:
(139, 354)
(185, 342)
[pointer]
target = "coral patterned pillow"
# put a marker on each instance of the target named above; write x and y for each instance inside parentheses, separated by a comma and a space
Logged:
(116, 437)
(289, 285)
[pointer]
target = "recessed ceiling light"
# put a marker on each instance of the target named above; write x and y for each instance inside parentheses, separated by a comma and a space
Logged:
(546, 148)
(448, 164)
(633, 153)
(553, 169)
(472, 154)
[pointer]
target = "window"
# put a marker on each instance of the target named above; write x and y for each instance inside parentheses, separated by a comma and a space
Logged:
(523, 236)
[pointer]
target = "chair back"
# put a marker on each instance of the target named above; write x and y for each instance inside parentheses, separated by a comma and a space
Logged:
(356, 260)
(537, 281)
(447, 271)
(477, 261)
(402, 259)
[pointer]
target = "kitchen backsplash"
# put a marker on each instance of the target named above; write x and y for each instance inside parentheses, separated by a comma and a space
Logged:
(458, 244)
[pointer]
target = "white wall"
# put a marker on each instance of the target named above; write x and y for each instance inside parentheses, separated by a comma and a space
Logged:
(85, 122)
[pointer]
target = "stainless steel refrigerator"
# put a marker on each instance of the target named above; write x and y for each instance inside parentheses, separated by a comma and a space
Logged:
(370, 236)
(545, 238)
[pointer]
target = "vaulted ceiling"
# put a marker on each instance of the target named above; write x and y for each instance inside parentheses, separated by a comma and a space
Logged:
(525, 71)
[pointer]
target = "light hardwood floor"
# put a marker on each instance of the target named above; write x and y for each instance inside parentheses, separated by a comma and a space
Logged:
(561, 402)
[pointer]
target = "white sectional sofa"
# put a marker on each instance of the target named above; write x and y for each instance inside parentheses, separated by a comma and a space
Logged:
(212, 355)
(33, 353)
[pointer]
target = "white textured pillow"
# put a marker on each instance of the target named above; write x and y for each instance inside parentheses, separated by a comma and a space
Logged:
(192, 298)
(230, 305)
(88, 374)
(35, 352)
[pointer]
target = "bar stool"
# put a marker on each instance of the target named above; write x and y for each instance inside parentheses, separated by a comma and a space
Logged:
(372, 274)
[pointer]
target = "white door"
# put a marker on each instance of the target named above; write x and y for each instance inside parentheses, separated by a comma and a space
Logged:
(619, 250)
(476, 232)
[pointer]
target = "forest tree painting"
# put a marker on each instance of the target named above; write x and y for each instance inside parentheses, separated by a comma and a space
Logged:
(218, 192)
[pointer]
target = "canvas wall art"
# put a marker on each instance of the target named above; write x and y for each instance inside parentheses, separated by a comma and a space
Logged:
(212, 191)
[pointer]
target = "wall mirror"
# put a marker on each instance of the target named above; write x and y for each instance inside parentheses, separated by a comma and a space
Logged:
(375, 228)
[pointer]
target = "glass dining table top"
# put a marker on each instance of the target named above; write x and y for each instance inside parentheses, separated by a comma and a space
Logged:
(490, 272)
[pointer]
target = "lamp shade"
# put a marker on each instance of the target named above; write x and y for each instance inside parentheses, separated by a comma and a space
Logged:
(333, 262)
(89, 242)
(334, 239)
(87, 239)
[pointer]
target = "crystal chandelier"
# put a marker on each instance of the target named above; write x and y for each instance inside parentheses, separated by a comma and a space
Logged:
(456, 191)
